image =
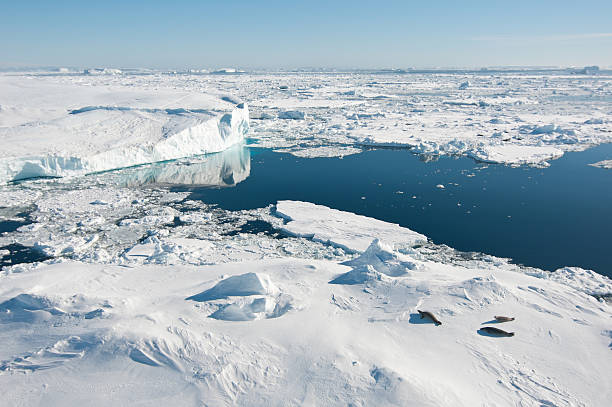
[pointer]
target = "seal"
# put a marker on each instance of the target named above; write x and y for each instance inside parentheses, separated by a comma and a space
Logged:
(496, 331)
(503, 319)
(430, 316)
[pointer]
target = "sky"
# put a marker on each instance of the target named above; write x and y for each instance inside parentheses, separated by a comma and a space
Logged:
(285, 34)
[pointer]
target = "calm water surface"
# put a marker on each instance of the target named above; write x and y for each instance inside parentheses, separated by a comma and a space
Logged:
(546, 218)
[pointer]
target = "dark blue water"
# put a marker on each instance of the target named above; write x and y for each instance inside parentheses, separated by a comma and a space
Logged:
(7, 226)
(546, 218)
(20, 254)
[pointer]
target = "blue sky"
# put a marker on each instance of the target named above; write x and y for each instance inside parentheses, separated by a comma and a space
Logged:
(279, 34)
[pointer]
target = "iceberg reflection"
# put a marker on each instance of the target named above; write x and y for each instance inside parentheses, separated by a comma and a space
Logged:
(224, 169)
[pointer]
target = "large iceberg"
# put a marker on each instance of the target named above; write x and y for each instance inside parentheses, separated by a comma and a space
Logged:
(58, 129)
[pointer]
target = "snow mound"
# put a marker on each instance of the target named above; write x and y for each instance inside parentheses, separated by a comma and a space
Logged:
(235, 286)
(376, 263)
(27, 308)
(343, 229)
(479, 292)
(586, 281)
(259, 308)
(52, 356)
(392, 389)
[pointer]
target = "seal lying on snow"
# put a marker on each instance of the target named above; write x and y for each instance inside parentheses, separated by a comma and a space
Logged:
(430, 316)
(503, 319)
(496, 331)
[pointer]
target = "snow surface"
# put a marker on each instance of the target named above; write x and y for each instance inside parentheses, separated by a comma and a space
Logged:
(58, 129)
(346, 230)
(297, 331)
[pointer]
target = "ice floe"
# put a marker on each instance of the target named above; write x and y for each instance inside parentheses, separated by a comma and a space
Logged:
(343, 229)
(603, 164)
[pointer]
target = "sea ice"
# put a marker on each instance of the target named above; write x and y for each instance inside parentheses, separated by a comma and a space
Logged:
(603, 164)
(342, 229)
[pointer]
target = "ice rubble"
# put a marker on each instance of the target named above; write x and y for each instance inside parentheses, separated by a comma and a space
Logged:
(509, 118)
(275, 331)
(58, 129)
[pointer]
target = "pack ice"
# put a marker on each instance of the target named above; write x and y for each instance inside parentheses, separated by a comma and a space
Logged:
(58, 128)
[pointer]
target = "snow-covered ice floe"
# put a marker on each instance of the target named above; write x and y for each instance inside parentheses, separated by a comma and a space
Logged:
(344, 229)
(51, 128)
(294, 330)
(603, 164)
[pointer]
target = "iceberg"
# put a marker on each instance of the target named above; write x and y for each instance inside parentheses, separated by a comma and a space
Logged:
(53, 130)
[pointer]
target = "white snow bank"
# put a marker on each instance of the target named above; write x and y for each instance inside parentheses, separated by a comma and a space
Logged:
(259, 308)
(52, 129)
(586, 281)
(343, 229)
(242, 285)
(378, 261)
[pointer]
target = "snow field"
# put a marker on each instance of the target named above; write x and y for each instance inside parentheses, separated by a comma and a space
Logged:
(295, 331)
